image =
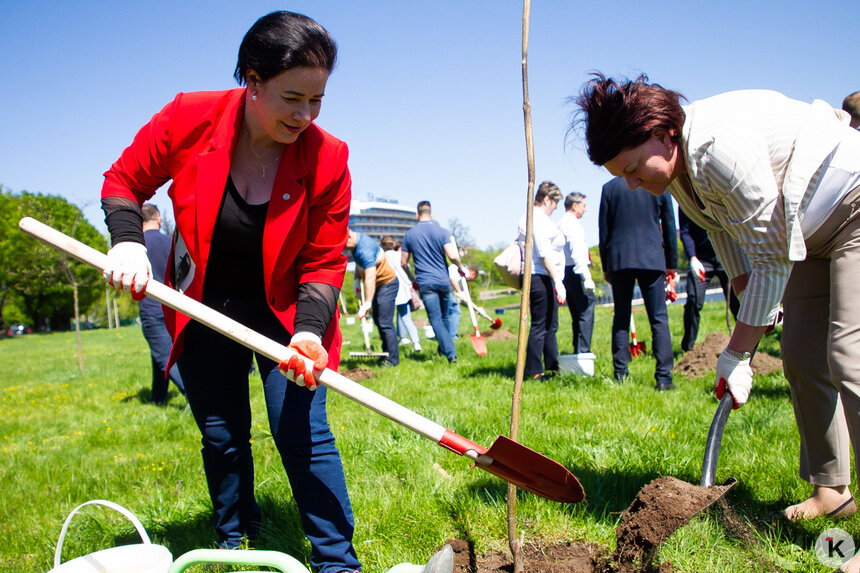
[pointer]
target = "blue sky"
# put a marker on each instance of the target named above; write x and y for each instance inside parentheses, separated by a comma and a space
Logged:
(427, 95)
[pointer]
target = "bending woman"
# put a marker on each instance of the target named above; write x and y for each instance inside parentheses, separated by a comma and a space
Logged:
(776, 182)
(261, 201)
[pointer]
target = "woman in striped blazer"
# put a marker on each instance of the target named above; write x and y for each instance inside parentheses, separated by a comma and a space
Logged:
(775, 181)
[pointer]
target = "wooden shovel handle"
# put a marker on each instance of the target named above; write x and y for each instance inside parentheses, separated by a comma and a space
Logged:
(242, 334)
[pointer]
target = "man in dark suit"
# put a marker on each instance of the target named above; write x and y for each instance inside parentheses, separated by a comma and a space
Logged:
(638, 244)
(158, 247)
(704, 266)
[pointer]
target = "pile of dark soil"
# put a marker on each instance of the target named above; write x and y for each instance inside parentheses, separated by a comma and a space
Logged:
(358, 374)
(702, 358)
(499, 334)
(659, 509)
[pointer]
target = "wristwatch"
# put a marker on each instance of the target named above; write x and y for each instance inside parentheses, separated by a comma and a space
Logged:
(738, 355)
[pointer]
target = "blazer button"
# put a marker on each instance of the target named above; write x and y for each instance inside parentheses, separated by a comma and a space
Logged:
(286, 196)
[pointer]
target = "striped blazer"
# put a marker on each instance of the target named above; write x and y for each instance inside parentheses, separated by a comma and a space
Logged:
(753, 159)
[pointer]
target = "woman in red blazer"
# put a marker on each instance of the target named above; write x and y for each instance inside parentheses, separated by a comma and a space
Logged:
(261, 199)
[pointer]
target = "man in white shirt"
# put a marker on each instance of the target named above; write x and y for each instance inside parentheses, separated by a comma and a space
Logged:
(577, 276)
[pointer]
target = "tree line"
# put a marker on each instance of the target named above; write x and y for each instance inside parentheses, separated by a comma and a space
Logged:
(39, 284)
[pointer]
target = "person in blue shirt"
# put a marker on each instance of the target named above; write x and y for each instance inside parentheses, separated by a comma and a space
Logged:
(380, 290)
(428, 244)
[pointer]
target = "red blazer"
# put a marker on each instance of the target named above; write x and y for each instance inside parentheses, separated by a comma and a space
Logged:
(191, 141)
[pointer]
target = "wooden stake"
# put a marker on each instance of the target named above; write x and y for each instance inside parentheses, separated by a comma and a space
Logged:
(522, 336)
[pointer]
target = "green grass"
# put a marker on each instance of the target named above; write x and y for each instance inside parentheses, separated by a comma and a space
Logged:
(68, 437)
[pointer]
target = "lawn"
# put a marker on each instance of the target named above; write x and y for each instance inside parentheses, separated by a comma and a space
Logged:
(68, 437)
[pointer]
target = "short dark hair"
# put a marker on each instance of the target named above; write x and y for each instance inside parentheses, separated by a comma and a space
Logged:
(548, 189)
(283, 40)
(622, 115)
(387, 243)
(423, 207)
(150, 212)
(572, 199)
(851, 104)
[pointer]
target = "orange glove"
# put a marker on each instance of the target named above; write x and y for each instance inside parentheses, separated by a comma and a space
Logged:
(294, 368)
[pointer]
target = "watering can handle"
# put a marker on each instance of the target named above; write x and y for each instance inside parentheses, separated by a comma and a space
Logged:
(131, 517)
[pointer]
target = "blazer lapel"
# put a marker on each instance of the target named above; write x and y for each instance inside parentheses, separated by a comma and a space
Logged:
(213, 168)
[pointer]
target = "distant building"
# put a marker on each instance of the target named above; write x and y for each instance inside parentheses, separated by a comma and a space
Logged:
(379, 217)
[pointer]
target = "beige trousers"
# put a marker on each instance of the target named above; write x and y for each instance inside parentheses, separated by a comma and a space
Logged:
(821, 347)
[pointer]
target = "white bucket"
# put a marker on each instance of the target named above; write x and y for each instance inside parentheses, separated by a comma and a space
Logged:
(428, 331)
(577, 363)
(350, 320)
(143, 557)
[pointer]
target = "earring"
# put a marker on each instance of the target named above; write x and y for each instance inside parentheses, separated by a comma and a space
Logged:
(254, 96)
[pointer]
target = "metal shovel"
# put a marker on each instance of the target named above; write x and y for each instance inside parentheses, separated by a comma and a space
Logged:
(478, 342)
(715, 438)
(506, 459)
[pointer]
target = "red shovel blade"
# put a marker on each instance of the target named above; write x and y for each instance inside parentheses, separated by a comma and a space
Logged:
(479, 343)
(533, 472)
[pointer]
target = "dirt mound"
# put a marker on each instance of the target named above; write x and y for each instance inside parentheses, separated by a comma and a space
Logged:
(659, 509)
(537, 558)
(500, 334)
(702, 358)
(358, 374)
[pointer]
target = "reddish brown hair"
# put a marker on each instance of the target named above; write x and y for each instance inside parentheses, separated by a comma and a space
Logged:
(619, 116)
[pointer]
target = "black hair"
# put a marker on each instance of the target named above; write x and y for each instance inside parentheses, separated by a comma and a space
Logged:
(283, 40)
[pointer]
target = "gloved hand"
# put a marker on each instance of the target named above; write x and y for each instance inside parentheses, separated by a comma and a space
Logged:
(698, 268)
(363, 310)
(128, 268)
(735, 375)
(671, 293)
(294, 367)
(588, 284)
(560, 292)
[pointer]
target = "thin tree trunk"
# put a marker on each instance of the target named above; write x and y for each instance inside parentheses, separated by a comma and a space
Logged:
(115, 313)
(78, 328)
(107, 306)
(514, 543)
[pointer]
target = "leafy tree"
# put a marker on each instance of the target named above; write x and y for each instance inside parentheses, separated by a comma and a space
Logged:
(41, 280)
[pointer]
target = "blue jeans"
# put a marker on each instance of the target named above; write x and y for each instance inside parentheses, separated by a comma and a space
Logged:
(453, 320)
(215, 371)
(405, 326)
(383, 318)
(435, 299)
(159, 341)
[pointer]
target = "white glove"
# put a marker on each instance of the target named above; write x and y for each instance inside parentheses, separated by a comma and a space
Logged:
(736, 375)
(363, 309)
(560, 292)
(458, 294)
(128, 268)
(698, 268)
(588, 284)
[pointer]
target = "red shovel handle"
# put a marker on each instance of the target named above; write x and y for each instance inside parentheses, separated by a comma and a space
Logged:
(460, 445)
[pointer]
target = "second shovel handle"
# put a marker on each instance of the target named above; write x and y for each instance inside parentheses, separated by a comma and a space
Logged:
(715, 438)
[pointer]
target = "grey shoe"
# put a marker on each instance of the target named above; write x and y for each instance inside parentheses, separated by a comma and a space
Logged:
(441, 562)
